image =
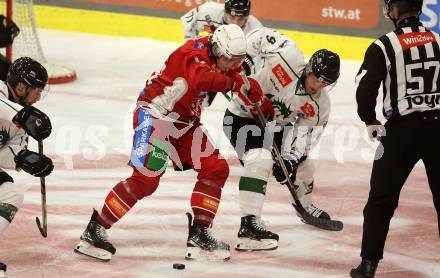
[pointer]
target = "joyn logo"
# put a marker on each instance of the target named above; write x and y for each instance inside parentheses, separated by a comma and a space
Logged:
(415, 39)
(423, 101)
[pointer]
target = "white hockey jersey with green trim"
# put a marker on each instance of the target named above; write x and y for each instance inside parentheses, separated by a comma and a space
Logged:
(200, 18)
(279, 65)
(12, 138)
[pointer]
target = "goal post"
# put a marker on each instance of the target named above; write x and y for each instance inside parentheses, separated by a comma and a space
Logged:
(27, 43)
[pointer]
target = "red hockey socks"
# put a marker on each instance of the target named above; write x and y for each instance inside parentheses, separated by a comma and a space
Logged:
(118, 202)
(205, 200)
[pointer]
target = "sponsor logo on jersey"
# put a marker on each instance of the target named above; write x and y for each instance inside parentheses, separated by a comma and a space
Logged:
(274, 85)
(116, 207)
(158, 156)
(141, 138)
(210, 204)
(199, 45)
(282, 76)
(415, 39)
(422, 101)
(308, 109)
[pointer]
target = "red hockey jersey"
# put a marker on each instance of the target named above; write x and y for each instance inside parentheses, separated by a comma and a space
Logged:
(182, 84)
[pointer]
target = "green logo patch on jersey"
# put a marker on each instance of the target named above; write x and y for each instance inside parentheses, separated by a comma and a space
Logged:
(158, 156)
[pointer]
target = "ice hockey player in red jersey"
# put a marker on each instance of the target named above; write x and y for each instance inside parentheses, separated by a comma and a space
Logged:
(167, 124)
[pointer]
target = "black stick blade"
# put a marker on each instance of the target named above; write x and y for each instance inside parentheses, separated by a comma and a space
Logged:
(42, 230)
(325, 224)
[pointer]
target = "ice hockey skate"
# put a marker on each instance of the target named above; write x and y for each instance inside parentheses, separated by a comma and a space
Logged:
(94, 241)
(201, 245)
(2, 270)
(253, 236)
(319, 218)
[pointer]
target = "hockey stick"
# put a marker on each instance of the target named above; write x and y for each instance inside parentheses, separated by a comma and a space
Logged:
(325, 224)
(43, 229)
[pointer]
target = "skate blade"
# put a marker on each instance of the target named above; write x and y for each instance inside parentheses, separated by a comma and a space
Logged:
(86, 249)
(2, 274)
(247, 244)
(195, 253)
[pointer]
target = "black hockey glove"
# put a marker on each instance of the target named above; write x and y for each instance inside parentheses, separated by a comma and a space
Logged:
(34, 122)
(33, 163)
(8, 31)
(248, 65)
(291, 166)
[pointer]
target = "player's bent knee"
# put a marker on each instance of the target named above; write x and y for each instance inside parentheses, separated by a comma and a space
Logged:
(215, 169)
(142, 186)
(10, 193)
(258, 163)
(11, 198)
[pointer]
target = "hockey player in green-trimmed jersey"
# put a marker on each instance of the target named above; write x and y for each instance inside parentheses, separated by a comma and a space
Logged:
(298, 92)
(25, 83)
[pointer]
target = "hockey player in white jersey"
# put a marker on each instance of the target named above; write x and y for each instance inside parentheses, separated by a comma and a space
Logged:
(25, 82)
(298, 92)
(210, 15)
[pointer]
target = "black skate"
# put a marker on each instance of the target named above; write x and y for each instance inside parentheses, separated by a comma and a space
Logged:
(253, 236)
(366, 269)
(2, 270)
(319, 218)
(94, 241)
(201, 244)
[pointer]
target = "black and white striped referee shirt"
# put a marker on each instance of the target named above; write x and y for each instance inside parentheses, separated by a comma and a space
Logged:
(406, 62)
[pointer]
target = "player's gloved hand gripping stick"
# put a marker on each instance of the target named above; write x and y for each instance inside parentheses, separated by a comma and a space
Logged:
(326, 224)
(38, 126)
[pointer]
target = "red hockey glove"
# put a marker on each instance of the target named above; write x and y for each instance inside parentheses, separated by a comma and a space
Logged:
(253, 96)
(267, 109)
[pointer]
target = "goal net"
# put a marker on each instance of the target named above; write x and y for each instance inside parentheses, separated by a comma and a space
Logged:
(27, 42)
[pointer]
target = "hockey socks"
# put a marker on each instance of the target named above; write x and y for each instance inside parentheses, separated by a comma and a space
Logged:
(118, 202)
(252, 195)
(205, 200)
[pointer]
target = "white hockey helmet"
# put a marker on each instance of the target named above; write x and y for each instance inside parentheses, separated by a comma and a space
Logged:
(229, 41)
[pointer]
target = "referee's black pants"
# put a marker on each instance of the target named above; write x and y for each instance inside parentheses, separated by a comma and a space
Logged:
(408, 139)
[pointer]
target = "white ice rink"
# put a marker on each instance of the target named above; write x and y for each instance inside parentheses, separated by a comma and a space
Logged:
(91, 142)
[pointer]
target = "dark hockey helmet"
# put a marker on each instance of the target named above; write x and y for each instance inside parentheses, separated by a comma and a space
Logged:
(404, 6)
(325, 65)
(28, 71)
(238, 7)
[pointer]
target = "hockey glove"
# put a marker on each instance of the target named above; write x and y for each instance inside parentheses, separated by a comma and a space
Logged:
(8, 31)
(291, 166)
(33, 163)
(253, 96)
(34, 122)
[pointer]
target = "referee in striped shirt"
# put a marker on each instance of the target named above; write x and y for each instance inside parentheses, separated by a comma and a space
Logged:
(406, 62)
